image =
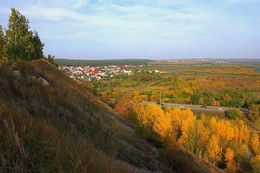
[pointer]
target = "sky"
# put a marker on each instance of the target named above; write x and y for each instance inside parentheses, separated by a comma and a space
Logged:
(154, 29)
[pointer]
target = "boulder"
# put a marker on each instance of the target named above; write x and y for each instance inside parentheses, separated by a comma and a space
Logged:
(16, 73)
(43, 81)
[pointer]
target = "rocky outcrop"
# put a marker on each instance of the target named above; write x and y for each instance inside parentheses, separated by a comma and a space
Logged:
(43, 81)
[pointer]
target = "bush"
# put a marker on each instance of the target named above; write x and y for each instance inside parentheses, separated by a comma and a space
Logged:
(233, 113)
(254, 112)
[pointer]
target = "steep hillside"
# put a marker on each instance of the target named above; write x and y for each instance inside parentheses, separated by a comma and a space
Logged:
(63, 128)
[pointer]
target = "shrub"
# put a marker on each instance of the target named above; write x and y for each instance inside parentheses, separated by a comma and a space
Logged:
(234, 113)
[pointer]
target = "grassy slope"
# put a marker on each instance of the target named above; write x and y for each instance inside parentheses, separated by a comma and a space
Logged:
(63, 128)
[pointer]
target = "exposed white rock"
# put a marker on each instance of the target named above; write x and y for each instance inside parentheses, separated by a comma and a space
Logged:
(16, 73)
(43, 81)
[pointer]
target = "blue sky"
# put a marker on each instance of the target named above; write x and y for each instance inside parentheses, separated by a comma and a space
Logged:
(154, 29)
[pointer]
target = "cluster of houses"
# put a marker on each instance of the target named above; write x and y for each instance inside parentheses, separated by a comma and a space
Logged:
(89, 73)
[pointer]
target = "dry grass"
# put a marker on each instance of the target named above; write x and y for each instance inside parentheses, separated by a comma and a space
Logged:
(62, 128)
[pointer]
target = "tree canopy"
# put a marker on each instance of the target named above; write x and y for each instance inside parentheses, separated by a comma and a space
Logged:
(2, 42)
(19, 42)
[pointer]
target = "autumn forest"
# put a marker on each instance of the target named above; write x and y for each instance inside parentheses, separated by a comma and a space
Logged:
(228, 139)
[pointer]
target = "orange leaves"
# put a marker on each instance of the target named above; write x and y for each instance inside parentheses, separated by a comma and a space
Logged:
(140, 111)
(230, 159)
(214, 151)
(244, 134)
(255, 143)
(152, 113)
(122, 108)
(229, 156)
(256, 163)
(216, 140)
(163, 125)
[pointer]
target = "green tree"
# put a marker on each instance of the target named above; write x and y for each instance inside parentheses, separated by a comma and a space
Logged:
(50, 58)
(2, 42)
(254, 112)
(195, 99)
(234, 113)
(21, 42)
(37, 46)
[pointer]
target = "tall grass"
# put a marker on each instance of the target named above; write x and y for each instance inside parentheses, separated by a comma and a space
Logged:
(62, 127)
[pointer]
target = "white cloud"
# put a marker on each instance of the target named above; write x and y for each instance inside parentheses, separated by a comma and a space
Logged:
(73, 4)
(242, 1)
(160, 23)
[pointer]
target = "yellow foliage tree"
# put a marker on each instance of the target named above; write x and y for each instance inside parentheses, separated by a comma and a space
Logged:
(122, 108)
(244, 134)
(187, 121)
(213, 124)
(255, 143)
(153, 111)
(198, 136)
(163, 125)
(256, 164)
(201, 101)
(230, 160)
(140, 111)
(214, 150)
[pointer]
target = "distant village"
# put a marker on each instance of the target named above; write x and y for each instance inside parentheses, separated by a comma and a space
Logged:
(89, 73)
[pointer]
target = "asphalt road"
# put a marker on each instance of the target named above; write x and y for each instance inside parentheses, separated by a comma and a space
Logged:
(193, 107)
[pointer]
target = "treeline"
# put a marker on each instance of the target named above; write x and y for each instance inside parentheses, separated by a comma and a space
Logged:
(18, 42)
(228, 98)
(178, 89)
(227, 144)
(118, 62)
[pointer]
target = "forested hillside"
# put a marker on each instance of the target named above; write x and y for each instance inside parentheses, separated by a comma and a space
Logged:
(228, 144)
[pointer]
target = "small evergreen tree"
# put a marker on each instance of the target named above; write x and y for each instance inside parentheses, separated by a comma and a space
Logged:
(21, 42)
(37, 46)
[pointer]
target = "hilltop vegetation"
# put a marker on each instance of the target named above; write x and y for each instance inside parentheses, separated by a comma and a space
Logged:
(18, 42)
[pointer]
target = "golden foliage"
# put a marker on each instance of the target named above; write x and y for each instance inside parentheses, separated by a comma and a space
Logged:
(255, 143)
(162, 125)
(216, 140)
(213, 150)
(122, 108)
(256, 164)
(229, 158)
